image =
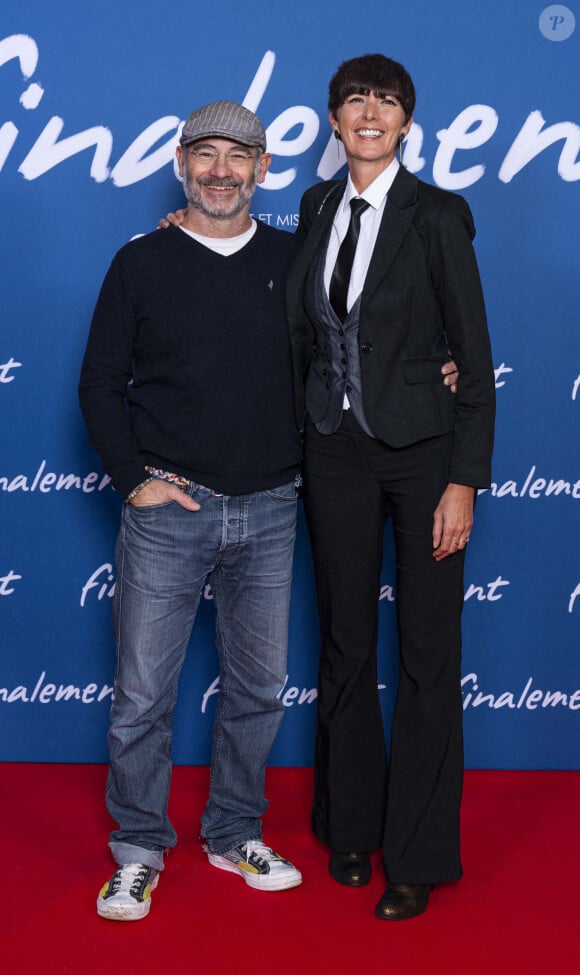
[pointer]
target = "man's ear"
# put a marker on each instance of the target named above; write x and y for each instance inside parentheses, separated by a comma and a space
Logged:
(265, 160)
(180, 159)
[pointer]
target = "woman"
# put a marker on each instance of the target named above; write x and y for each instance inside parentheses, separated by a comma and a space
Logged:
(384, 437)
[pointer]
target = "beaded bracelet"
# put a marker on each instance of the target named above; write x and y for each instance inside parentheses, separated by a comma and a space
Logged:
(136, 490)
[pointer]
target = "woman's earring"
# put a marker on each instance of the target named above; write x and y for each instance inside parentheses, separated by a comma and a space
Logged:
(338, 139)
(401, 138)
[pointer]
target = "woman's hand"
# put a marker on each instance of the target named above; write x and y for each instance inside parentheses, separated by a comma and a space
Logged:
(452, 520)
(175, 219)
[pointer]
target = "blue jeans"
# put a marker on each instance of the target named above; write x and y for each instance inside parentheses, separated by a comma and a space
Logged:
(164, 555)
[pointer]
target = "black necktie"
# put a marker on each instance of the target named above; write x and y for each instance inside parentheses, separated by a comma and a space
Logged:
(338, 288)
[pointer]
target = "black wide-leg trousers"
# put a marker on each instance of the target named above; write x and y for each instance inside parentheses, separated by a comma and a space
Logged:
(407, 804)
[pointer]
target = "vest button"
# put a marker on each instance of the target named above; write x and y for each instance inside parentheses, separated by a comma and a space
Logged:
(366, 347)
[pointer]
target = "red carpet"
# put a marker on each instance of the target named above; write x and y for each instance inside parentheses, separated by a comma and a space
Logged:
(516, 910)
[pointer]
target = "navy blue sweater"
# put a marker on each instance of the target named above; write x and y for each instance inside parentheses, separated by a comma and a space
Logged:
(188, 365)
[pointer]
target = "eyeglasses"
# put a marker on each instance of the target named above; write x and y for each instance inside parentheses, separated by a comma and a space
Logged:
(236, 158)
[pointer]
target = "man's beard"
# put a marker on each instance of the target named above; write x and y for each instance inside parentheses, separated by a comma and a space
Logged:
(218, 211)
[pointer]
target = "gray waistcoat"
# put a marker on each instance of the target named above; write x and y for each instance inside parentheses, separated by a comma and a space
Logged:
(335, 368)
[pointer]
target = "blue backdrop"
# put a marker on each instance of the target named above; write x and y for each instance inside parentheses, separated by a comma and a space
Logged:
(91, 98)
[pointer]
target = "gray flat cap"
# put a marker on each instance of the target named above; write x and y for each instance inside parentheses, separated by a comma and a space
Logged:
(227, 120)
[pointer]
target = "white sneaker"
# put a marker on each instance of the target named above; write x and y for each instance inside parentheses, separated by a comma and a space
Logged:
(258, 865)
(127, 895)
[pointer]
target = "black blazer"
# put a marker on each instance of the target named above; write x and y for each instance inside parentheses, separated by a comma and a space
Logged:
(422, 294)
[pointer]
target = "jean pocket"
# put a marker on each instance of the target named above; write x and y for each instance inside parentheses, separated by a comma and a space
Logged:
(148, 507)
(286, 492)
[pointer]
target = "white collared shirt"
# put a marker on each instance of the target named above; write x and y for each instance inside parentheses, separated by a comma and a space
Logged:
(376, 195)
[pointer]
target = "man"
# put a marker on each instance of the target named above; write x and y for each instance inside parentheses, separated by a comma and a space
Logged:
(186, 390)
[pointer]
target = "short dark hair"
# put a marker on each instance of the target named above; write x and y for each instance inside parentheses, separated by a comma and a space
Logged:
(371, 73)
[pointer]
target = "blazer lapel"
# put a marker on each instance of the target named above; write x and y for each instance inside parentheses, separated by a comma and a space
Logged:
(399, 213)
(397, 218)
(316, 234)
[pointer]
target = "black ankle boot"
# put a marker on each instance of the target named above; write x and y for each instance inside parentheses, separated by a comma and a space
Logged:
(402, 901)
(350, 869)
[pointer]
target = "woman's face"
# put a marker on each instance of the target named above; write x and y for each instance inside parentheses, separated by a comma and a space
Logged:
(371, 128)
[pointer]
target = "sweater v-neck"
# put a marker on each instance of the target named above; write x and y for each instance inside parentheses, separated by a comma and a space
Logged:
(206, 249)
